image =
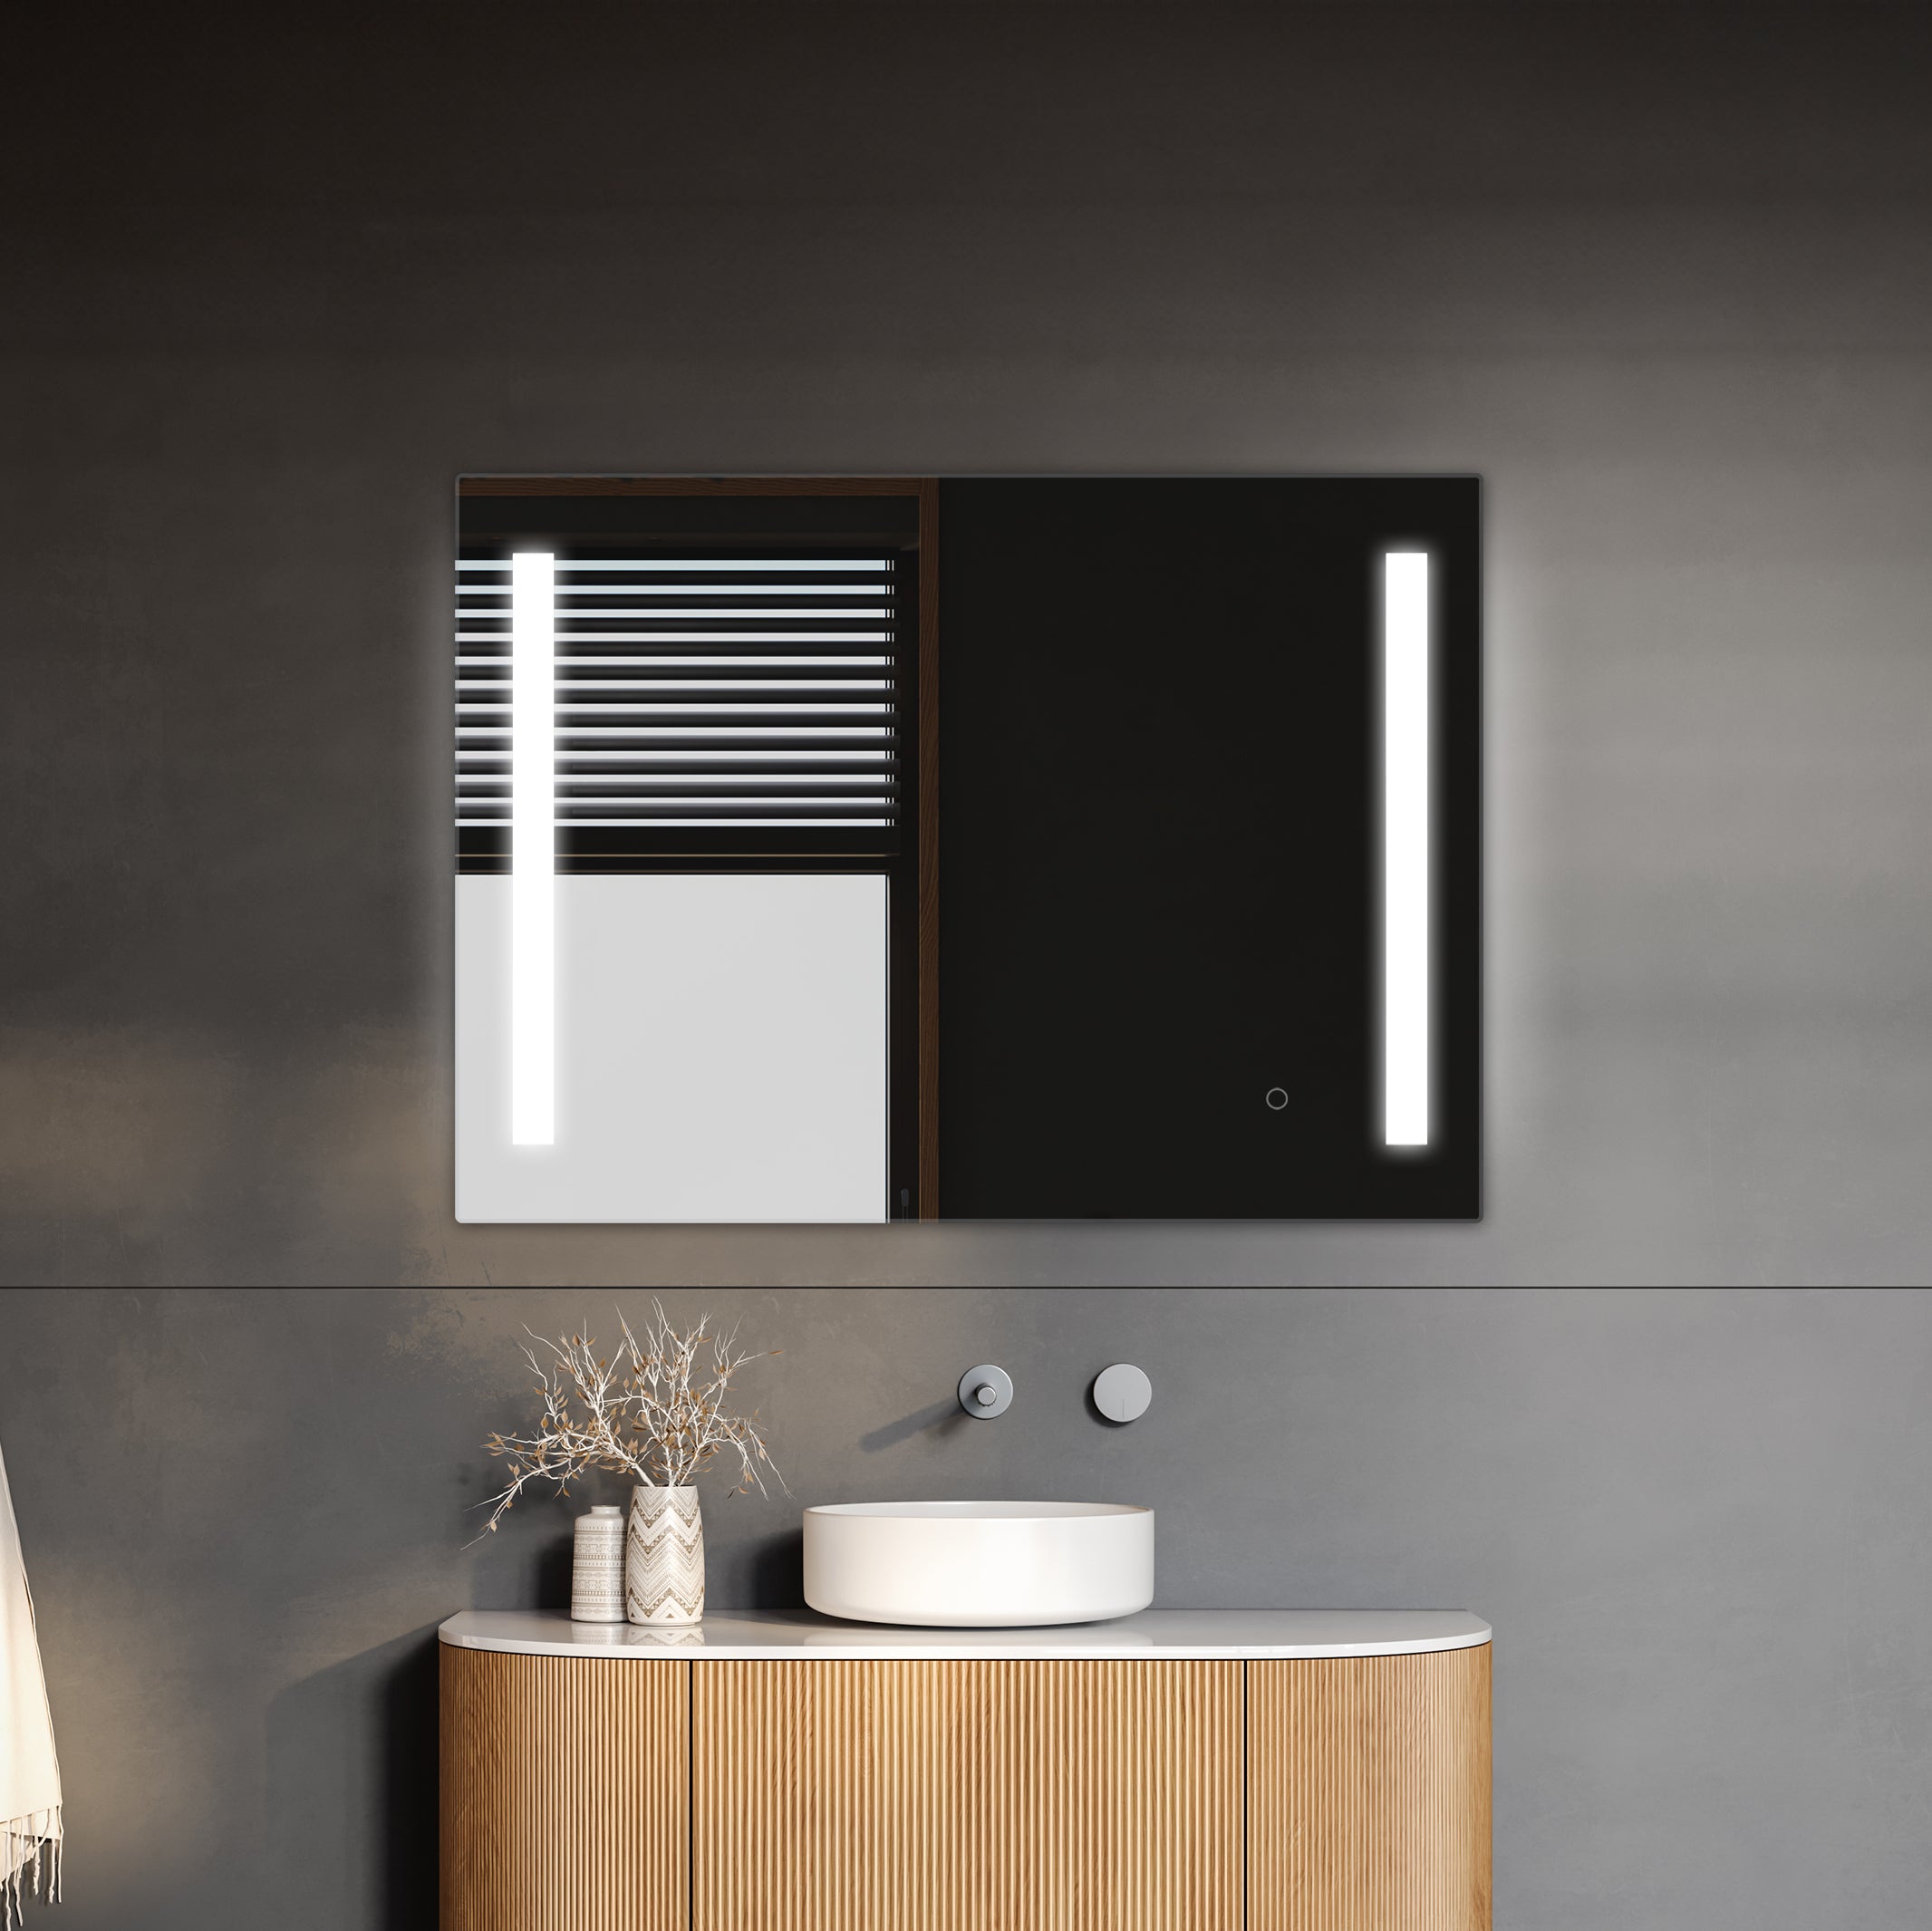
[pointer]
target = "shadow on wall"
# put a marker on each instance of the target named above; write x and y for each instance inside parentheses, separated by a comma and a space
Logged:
(944, 1417)
(510, 1574)
(777, 1580)
(351, 1791)
(765, 1574)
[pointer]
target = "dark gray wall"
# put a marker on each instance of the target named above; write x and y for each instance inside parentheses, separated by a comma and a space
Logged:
(1698, 1523)
(277, 276)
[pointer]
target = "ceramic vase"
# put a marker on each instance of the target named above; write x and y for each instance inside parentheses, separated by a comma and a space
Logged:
(663, 1557)
(596, 1567)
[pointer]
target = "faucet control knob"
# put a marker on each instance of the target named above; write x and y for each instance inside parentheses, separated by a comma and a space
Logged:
(1123, 1392)
(986, 1391)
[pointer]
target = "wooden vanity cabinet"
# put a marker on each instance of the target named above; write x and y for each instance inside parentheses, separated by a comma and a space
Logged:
(565, 1794)
(1368, 1794)
(961, 1796)
(657, 1794)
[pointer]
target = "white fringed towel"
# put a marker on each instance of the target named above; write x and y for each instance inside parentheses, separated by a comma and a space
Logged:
(30, 1775)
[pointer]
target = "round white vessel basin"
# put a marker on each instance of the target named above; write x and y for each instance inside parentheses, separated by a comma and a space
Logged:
(979, 1565)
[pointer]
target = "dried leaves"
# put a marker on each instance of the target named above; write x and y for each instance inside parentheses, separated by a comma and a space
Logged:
(656, 1414)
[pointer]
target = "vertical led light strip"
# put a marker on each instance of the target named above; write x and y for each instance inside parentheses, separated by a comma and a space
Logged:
(1406, 848)
(532, 850)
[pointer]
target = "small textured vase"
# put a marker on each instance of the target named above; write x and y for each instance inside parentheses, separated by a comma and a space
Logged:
(663, 1557)
(596, 1567)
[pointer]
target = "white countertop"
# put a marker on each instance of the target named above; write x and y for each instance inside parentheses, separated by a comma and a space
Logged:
(762, 1635)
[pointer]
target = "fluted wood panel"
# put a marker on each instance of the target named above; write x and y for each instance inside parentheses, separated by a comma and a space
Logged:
(1368, 1794)
(967, 1796)
(565, 1794)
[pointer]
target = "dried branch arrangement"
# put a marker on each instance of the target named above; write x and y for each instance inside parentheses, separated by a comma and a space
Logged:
(654, 1411)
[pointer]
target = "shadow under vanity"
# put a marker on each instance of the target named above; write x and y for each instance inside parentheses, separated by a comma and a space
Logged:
(1172, 1770)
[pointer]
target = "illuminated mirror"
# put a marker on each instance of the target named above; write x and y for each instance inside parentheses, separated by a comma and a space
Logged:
(860, 849)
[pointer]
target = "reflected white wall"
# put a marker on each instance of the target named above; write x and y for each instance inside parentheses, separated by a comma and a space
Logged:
(721, 1051)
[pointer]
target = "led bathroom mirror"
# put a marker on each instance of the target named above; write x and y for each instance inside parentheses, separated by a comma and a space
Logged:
(855, 849)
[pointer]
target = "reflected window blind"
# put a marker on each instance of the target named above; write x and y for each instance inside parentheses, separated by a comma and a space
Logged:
(703, 704)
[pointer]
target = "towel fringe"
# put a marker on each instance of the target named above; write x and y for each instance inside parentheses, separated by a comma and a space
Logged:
(29, 1862)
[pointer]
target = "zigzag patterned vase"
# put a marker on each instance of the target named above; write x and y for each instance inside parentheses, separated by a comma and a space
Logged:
(663, 1557)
